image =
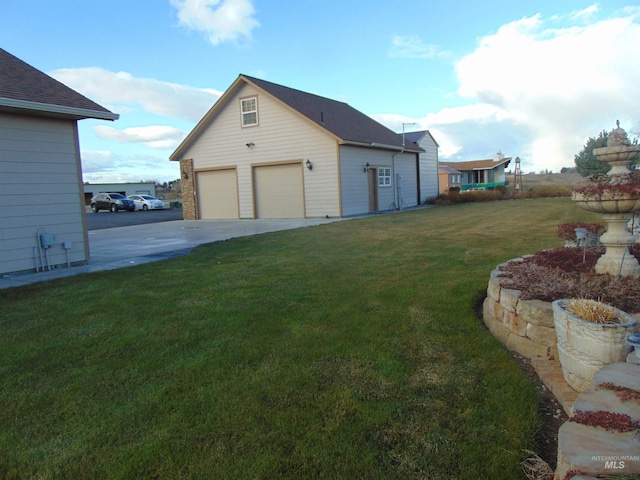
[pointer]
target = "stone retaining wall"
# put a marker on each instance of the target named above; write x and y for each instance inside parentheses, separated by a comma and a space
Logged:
(526, 327)
(523, 326)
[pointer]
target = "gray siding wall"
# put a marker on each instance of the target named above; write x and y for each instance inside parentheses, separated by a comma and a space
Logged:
(407, 189)
(40, 190)
(428, 169)
(354, 181)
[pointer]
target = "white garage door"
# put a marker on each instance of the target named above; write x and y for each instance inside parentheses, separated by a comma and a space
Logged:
(278, 191)
(217, 194)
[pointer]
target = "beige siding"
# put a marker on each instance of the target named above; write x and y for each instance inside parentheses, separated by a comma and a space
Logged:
(281, 136)
(40, 190)
(355, 198)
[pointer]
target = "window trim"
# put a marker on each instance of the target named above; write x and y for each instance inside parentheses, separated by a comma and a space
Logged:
(243, 113)
(384, 177)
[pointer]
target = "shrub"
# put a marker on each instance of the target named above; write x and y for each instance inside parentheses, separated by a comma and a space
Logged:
(454, 197)
(545, 191)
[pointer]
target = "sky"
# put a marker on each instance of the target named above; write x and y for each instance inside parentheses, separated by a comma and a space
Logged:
(533, 79)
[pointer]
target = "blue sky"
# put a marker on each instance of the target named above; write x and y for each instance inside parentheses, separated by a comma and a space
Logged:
(532, 79)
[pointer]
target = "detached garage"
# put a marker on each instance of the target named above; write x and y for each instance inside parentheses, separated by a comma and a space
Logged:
(269, 151)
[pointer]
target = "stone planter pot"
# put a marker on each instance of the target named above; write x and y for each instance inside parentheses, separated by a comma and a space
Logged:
(585, 347)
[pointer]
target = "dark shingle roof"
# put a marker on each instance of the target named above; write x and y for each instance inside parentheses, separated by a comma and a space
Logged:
(23, 87)
(417, 136)
(338, 118)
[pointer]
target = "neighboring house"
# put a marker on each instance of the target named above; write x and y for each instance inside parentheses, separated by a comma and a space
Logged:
(42, 215)
(126, 189)
(268, 151)
(450, 179)
(427, 164)
(481, 174)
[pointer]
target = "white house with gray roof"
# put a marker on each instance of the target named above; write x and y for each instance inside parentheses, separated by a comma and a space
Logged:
(42, 215)
(269, 151)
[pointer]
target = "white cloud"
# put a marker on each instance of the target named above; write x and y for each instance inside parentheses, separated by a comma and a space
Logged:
(463, 133)
(162, 137)
(546, 85)
(109, 167)
(218, 20)
(412, 46)
(121, 91)
(585, 13)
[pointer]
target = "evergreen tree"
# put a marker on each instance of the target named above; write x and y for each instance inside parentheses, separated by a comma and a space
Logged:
(586, 162)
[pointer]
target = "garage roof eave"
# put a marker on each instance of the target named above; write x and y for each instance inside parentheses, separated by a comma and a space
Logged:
(55, 110)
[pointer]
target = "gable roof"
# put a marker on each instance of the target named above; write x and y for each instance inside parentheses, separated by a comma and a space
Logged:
(477, 164)
(337, 118)
(417, 136)
(26, 89)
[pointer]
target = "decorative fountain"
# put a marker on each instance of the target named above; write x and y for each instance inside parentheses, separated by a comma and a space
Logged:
(616, 196)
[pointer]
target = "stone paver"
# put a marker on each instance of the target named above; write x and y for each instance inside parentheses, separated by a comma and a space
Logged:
(595, 450)
(622, 374)
(605, 401)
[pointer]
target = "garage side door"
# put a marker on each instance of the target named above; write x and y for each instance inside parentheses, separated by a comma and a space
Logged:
(217, 194)
(279, 191)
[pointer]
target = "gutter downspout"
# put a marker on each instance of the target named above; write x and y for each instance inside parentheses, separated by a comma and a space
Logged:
(393, 168)
(396, 200)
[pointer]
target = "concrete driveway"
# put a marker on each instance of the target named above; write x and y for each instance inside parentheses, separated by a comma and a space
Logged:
(134, 245)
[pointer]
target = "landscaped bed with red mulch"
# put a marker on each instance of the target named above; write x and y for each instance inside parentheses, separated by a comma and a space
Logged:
(570, 273)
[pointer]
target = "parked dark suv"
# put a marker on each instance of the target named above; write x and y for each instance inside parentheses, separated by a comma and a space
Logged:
(112, 202)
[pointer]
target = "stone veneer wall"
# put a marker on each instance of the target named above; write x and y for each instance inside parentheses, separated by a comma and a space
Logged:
(188, 196)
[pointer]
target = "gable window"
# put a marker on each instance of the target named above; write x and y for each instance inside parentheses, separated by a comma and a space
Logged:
(249, 110)
(384, 177)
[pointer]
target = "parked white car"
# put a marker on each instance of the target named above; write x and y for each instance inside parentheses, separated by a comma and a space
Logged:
(146, 202)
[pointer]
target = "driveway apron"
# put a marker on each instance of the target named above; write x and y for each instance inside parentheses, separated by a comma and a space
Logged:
(134, 245)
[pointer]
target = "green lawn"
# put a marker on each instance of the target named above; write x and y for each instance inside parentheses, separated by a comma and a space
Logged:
(348, 350)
